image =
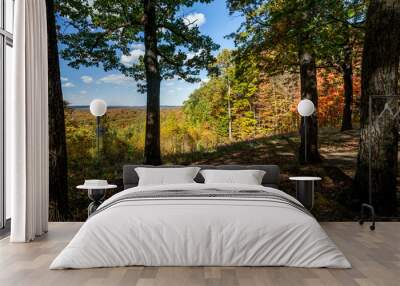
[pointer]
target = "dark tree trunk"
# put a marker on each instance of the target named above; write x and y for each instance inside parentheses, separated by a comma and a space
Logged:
(152, 154)
(308, 80)
(58, 180)
(380, 76)
(308, 149)
(347, 69)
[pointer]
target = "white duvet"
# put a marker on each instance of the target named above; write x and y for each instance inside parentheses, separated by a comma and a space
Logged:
(203, 232)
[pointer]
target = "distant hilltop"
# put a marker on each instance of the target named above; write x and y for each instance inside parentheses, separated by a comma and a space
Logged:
(123, 107)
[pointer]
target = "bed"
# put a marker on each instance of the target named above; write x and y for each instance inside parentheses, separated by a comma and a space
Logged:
(197, 224)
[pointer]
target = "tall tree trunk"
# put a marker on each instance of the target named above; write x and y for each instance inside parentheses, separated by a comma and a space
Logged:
(380, 76)
(347, 69)
(308, 150)
(229, 112)
(308, 80)
(152, 154)
(58, 180)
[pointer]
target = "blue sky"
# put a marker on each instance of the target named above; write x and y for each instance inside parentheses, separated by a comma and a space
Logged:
(83, 85)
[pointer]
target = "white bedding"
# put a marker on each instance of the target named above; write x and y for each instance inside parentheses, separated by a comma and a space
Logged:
(200, 231)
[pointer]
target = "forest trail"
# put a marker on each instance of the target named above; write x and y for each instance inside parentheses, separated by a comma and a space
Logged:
(339, 152)
(337, 149)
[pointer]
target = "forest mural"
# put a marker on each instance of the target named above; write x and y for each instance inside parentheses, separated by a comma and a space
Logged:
(243, 109)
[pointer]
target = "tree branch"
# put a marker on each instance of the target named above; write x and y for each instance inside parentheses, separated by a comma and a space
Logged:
(357, 26)
(172, 63)
(105, 33)
(176, 32)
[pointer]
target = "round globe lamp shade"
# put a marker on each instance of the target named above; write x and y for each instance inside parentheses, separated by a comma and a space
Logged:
(306, 107)
(98, 107)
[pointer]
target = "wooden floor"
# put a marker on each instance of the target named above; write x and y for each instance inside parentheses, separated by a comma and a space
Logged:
(375, 257)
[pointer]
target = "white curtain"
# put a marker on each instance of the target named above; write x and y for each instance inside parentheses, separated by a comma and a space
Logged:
(27, 123)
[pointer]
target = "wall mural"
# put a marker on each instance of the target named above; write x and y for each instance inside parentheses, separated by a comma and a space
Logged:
(218, 82)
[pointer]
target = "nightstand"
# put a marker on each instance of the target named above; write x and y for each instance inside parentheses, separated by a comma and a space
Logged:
(305, 187)
(96, 194)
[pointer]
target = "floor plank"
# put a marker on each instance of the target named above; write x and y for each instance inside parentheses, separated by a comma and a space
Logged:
(375, 257)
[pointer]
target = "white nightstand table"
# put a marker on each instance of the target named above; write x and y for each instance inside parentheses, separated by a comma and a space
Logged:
(96, 194)
(305, 187)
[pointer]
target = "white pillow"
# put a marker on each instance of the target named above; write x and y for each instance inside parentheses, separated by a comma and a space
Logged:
(248, 177)
(166, 176)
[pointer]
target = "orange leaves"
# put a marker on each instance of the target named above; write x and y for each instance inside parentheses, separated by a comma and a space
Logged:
(330, 98)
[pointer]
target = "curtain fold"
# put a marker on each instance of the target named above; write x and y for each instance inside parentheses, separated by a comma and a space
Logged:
(28, 123)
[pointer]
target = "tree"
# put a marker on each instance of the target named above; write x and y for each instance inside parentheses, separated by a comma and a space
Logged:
(241, 79)
(276, 103)
(225, 69)
(206, 107)
(245, 88)
(308, 90)
(58, 173)
(380, 76)
(284, 33)
(347, 68)
(342, 31)
(230, 94)
(110, 32)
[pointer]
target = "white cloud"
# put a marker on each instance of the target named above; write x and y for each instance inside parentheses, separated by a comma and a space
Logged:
(83, 92)
(191, 55)
(205, 80)
(68, 84)
(87, 79)
(137, 47)
(118, 79)
(134, 54)
(64, 79)
(194, 20)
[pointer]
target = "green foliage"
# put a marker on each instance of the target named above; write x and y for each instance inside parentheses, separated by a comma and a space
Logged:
(235, 86)
(206, 108)
(101, 32)
(276, 30)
